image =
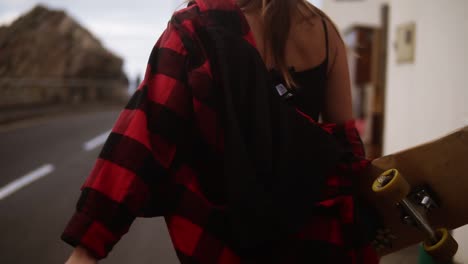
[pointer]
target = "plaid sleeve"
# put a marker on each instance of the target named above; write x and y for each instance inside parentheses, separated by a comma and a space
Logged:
(348, 135)
(136, 158)
(366, 219)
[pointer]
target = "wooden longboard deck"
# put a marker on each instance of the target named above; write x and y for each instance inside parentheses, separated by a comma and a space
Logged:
(443, 165)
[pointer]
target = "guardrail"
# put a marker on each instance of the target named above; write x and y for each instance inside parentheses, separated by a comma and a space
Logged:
(70, 82)
(24, 91)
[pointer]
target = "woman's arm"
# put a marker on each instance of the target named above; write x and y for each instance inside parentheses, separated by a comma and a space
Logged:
(81, 256)
(338, 103)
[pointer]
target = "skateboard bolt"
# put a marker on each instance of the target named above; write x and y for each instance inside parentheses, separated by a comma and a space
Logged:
(384, 180)
(426, 202)
(408, 220)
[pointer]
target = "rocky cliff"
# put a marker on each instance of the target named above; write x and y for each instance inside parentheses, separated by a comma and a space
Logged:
(45, 55)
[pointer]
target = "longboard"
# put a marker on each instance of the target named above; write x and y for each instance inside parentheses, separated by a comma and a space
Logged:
(440, 169)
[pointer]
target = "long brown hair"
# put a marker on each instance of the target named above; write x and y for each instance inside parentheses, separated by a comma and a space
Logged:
(276, 20)
(276, 17)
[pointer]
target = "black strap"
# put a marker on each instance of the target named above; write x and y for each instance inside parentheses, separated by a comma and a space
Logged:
(275, 160)
(326, 42)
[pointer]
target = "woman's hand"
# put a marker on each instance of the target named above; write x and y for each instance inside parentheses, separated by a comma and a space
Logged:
(81, 256)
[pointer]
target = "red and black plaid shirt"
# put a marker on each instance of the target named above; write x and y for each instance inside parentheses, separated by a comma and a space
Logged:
(143, 171)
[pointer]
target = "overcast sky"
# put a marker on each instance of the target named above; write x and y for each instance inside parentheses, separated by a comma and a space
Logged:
(128, 28)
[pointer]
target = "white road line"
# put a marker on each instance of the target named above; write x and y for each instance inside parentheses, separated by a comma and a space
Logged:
(25, 180)
(96, 142)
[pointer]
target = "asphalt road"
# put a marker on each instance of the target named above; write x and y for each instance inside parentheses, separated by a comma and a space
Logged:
(33, 217)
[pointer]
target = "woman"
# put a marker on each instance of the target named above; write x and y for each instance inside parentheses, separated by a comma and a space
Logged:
(221, 140)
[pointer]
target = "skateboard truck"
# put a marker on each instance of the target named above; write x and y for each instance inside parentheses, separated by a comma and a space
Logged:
(414, 205)
(414, 216)
(421, 198)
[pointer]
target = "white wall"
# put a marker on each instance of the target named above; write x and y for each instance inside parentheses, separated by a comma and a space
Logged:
(317, 3)
(347, 13)
(430, 97)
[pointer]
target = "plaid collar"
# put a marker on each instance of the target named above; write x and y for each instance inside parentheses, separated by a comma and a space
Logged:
(226, 5)
(229, 9)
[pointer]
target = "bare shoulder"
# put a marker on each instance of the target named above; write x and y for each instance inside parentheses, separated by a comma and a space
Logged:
(334, 34)
(335, 41)
(314, 35)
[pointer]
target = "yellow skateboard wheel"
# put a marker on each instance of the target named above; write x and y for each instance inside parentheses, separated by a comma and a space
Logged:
(444, 249)
(391, 185)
